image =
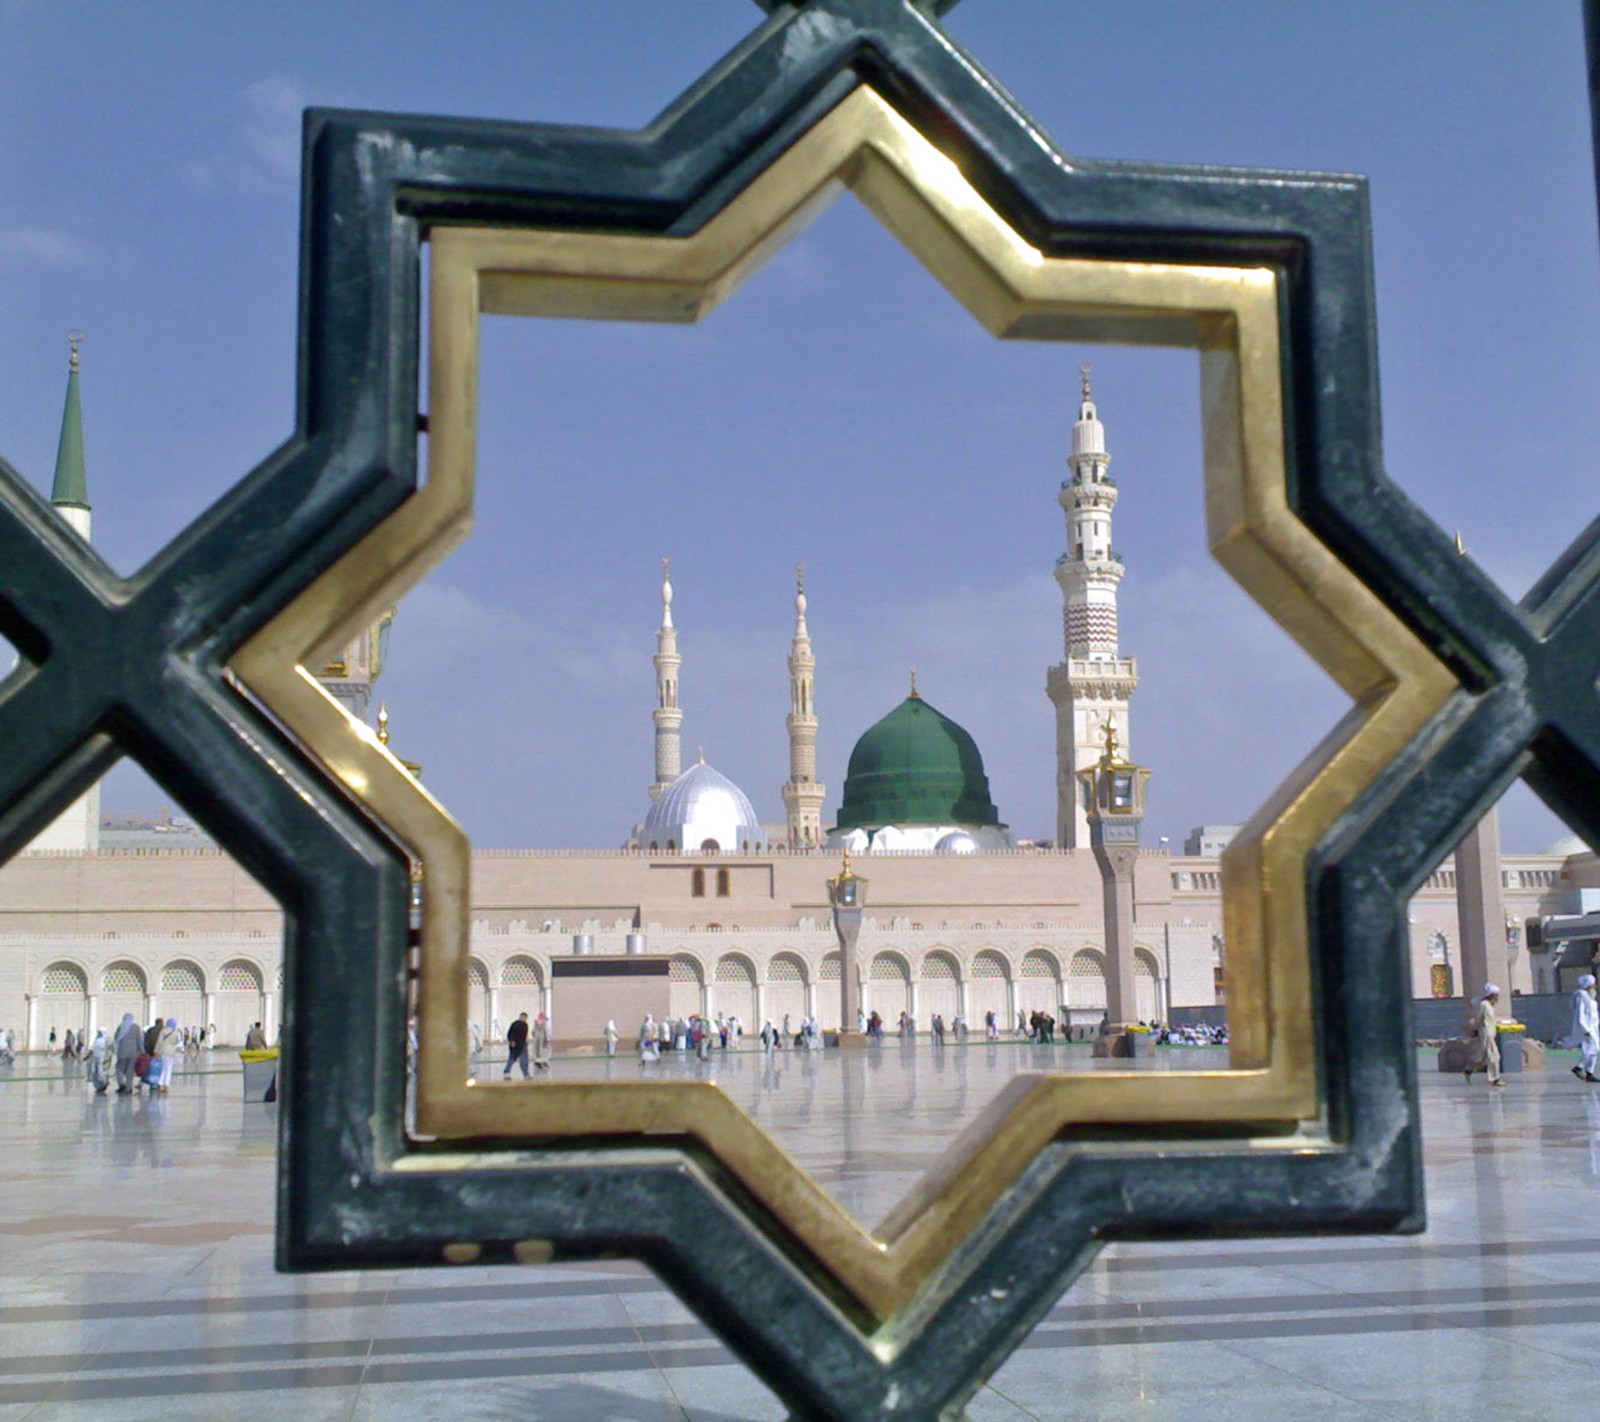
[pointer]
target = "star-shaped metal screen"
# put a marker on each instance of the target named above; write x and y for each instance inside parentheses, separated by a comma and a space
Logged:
(196, 667)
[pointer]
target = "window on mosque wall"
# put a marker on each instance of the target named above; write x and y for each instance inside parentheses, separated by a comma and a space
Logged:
(683, 970)
(520, 972)
(697, 882)
(986, 965)
(62, 978)
(181, 977)
(939, 968)
(238, 977)
(783, 969)
(724, 883)
(1040, 965)
(830, 970)
(121, 978)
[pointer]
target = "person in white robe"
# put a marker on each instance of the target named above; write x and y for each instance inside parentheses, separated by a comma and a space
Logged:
(1486, 1027)
(649, 1043)
(97, 1064)
(1585, 1033)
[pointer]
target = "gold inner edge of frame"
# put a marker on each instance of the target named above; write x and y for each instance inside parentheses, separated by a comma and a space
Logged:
(1231, 316)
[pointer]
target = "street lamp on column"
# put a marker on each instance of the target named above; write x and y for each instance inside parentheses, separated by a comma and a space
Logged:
(847, 895)
(1114, 801)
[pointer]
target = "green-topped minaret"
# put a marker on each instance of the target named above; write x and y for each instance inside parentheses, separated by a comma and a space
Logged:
(77, 829)
(70, 490)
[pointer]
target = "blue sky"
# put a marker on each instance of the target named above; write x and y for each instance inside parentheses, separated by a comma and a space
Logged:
(840, 411)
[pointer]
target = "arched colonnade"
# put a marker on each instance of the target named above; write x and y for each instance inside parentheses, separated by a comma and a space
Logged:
(69, 996)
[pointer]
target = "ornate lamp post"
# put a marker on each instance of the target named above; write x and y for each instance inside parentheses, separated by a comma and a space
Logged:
(1114, 799)
(847, 893)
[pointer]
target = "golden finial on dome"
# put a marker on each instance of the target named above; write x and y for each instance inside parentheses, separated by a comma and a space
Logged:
(1084, 371)
(383, 723)
(914, 694)
(74, 340)
(1461, 546)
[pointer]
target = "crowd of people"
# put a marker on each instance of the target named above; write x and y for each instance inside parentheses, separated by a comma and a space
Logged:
(1193, 1034)
(130, 1056)
(696, 1034)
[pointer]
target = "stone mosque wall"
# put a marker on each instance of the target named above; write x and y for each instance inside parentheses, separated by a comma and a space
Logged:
(85, 938)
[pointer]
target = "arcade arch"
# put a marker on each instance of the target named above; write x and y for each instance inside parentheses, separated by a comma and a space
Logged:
(939, 989)
(63, 1003)
(1147, 986)
(521, 990)
(786, 991)
(239, 1002)
(988, 990)
(123, 989)
(182, 994)
(479, 1008)
(736, 989)
(1087, 981)
(685, 982)
(1039, 986)
(889, 988)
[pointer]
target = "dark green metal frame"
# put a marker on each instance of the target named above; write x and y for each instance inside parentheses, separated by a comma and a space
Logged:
(135, 666)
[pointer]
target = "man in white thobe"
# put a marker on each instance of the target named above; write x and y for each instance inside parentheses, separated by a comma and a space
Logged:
(1585, 1034)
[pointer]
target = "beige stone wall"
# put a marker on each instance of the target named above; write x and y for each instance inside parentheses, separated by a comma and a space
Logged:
(1012, 925)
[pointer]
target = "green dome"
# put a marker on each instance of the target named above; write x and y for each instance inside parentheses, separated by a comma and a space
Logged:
(916, 767)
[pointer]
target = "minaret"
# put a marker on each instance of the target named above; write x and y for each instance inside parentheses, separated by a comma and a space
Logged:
(77, 829)
(802, 796)
(1095, 682)
(668, 715)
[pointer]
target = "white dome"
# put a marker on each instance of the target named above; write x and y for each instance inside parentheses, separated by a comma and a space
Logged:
(956, 842)
(1567, 846)
(702, 808)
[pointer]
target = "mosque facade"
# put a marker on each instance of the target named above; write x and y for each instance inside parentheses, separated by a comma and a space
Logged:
(101, 918)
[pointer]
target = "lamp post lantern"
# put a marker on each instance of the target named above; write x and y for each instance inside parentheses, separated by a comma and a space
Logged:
(1114, 799)
(847, 894)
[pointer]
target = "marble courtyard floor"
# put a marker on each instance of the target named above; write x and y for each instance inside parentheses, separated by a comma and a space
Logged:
(136, 1267)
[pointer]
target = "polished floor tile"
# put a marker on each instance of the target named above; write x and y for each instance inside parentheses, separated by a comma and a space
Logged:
(136, 1273)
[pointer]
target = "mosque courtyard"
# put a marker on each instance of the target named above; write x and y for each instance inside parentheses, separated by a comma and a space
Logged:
(138, 1279)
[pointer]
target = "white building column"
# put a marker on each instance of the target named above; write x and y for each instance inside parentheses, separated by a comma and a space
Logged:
(914, 1001)
(269, 1015)
(152, 1009)
(31, 1030)
(707, 1001)
(94, 1015)
(208, 1010)
(811, 1000)
(492, 1026)
(761, 1003)
(964, 1002)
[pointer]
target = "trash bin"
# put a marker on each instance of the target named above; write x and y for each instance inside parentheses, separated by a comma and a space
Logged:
(260, 1074)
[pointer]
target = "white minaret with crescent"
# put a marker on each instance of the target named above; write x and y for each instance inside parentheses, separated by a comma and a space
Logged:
(668, 715)
(802, 796)
(1095, 682)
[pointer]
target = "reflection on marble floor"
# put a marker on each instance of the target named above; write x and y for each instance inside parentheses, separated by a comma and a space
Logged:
(135, 1261)
(839, 1113)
